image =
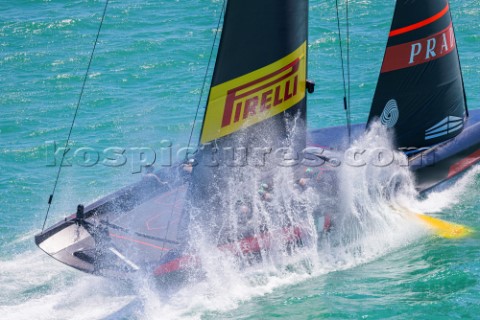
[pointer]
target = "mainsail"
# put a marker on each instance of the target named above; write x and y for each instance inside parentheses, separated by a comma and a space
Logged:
(258, 84)
(420, 88)
(257, 99)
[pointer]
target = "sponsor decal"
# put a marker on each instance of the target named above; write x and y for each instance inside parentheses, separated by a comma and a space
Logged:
(421, 51)
(390, 114)
(447, 126)
(256, 96)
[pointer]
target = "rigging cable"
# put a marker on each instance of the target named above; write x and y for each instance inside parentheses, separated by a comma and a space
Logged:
(205, 78)
(196, 113)
(349, 105)
(467, 113)
(346, 92)
(75, 114)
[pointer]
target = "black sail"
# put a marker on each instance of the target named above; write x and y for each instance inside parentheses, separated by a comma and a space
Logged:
(259, 76)
(420, 88)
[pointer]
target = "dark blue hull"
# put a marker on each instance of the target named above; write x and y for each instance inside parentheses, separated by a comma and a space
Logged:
(119, 234)
(431, 166)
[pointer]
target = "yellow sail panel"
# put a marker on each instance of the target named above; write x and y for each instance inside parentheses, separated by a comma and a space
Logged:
(256, 96)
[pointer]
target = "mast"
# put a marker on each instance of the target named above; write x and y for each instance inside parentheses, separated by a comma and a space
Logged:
(420, 92)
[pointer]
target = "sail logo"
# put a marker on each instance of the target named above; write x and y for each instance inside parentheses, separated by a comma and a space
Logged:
(256, 96)
(259, 95)
(421, 51)
(447, 126)
(390, 114)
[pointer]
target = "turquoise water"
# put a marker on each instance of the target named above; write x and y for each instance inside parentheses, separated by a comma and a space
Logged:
(143, 88)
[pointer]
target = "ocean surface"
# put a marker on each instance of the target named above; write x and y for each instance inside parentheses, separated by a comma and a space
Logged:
(142, 92)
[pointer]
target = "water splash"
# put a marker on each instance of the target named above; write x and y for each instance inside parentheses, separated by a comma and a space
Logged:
(370, 222)
(34, 286)
(371, 219)
(447, 194)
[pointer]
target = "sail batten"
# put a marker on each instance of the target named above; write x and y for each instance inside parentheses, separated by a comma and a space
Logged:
(420, 83)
